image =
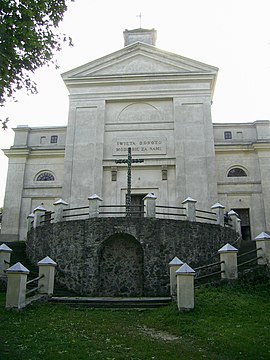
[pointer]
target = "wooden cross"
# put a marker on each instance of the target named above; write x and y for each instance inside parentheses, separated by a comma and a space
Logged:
(140, 16)
(129, 161)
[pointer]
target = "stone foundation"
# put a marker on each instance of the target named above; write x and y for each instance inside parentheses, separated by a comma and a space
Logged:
(123, 256)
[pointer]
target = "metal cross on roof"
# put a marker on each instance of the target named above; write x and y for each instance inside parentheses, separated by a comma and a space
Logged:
(140, 16)
(129, 161)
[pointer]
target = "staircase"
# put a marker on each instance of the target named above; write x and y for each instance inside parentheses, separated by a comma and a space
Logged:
(112, 302)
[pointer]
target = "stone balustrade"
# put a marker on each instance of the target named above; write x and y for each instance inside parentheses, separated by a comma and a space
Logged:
(61, 206)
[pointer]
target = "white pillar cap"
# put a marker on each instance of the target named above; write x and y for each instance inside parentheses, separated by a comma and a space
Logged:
(189, 199)
(94, 197)
(18, 268)
(31, 216)
(185, 269)
(232, 212)
(150, 196)
(39, 208)
(217, 206)
(47, 261)
(176, 261)
(60, 201)
(227, 248)
(262, 236)
(5, 248)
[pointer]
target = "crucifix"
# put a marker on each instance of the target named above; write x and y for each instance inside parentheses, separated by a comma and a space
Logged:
(140, 16)
(129, 161)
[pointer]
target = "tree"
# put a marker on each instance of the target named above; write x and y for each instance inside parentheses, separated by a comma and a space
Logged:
(28, 40)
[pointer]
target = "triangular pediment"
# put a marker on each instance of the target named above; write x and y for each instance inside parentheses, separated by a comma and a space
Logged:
(139, 59)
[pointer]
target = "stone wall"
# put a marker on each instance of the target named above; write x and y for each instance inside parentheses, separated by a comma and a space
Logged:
(123, 256)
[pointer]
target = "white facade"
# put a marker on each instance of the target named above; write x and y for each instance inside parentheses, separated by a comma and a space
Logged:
(157, 103)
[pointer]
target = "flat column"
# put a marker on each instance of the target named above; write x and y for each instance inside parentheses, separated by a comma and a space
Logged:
(38, 212)
(219, 212)
(5, 253)
(174, 265)
(94, 201)
(150, 205)
(228, 254)
(191, 210)
(46, 268)
(16, 286)
(59, 206)
(263, 248)
(185, 287)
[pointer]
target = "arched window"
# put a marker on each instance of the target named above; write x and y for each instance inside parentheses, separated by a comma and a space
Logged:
(236, 172)
(45, 176)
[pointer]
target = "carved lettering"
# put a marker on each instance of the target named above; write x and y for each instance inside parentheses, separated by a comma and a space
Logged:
(145, 145)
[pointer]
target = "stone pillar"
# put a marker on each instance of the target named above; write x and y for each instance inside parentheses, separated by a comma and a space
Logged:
(5, 253)
(46, 267)
(236, 222)
(185, 287)
(16, 286)
(263, 243)
(220, 213)
(38, 212)
(174, 265)
(94, 205)
(59, 206)
(150, 205)
(228, 254)
(30, 221)
(191, 210)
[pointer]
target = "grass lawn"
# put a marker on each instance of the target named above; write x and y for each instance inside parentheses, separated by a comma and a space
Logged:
(227, 323)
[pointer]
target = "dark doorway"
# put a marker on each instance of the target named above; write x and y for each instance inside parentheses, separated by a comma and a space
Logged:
(137, 205)
(121, 267)
(245, 223)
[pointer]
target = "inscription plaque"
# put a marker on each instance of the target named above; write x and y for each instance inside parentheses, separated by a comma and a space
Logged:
(145, 145)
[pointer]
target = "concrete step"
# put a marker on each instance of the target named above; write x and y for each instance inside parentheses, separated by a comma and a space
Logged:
(112, 302)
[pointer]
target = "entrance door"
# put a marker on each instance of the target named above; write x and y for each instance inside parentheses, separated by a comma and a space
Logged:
(245, 223)
(137, 205)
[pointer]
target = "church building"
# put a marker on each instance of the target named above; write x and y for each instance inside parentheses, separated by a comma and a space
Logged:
(158, 104)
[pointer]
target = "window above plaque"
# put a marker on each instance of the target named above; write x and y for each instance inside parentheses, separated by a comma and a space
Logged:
(45, 176)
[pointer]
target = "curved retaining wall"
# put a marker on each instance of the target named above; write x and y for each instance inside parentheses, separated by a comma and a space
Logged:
(123, 256)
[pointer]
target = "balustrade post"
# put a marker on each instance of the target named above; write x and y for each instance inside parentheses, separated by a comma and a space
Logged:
(191, 210)
(185, 287)
(59, 207)
(16, 286)
(30, 221)
(263, 248)
(38, 212)
(94, 205)
(5, 253)
(220, 213)
(46, 269)
(228, 254)
(150, 205)
(174, 265)
(236, 222)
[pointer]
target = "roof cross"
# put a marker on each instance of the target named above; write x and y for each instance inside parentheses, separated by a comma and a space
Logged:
(140, 16)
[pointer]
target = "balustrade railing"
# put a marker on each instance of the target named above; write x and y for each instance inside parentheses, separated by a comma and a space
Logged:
(149, 208)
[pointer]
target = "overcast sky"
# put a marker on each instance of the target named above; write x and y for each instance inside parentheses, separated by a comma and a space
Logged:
(233, 35)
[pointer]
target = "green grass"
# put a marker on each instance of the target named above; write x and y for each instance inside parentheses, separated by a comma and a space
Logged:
(227, 323)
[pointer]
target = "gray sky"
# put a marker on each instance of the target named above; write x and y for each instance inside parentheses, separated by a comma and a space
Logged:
(233, 35)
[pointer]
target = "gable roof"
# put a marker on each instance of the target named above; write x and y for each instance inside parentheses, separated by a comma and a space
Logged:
(139, 59)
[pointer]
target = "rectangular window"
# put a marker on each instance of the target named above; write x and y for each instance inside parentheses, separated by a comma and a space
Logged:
(227, 135)
(54, 139)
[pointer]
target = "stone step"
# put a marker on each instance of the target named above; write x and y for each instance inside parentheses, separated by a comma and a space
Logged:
(112, 302)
